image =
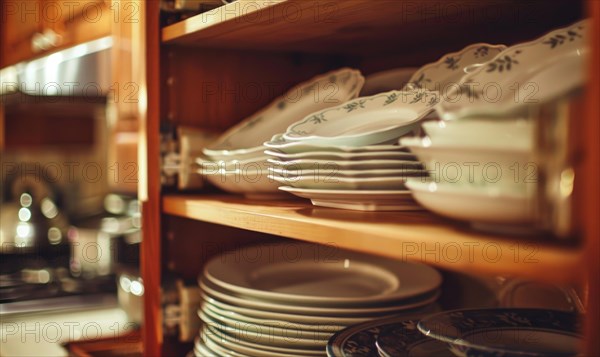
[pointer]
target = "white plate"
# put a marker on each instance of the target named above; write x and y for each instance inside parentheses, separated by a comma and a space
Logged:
(279, 143)
(201, 350)
(254, 336)
(449, 69)
(324, 155)
(510, 170)
(308, 274)
(514, 133)
(220, 350)
(240, 318)
(472, 204)
(283, 330)
(344, 173)
(399, 200)
(253, 349)
(218, 293)
(321, 92)
(326, 323)
(329, 165)
(525, 74)
(366, 120)
(343, 183)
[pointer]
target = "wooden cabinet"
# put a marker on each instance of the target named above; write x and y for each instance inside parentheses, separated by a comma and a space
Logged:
(286, 41)
(33, 27)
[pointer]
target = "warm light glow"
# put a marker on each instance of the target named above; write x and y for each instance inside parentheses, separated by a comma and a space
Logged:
(137, 288)
(24, 214)
(125, 283)
(26, 200)
(49, 208)
(54, 235)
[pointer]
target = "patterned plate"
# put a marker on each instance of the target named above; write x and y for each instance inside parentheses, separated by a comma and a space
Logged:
(360, 340)
(505, 332)
(404, 339)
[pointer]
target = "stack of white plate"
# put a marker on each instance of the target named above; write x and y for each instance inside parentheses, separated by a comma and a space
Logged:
(481, 154)
(236, 161)
(341, 157)
(289, 299)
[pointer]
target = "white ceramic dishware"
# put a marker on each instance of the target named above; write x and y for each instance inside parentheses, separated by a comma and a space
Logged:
(448, 70)
(254, 334)
(398, 200)
(250, 320)
(525, 74)
(305, 274)
(218, 293)
(343, 183)
(329, 165)
(321, 92)
(508, 133)
(365, 121)
(507, 169)
(279, 143)
(325, 155)
(486, 209)
(323, 322)
(320, 174)
(254, 349)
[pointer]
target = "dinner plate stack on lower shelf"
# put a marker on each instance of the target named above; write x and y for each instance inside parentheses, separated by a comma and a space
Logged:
(236, 161)
(289, 299)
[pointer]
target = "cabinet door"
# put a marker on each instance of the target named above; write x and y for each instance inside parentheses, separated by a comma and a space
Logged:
(21, 21)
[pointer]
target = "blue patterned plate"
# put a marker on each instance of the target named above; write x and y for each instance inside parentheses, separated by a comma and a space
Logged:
(360, 340)
(505, 332)
(404, 339)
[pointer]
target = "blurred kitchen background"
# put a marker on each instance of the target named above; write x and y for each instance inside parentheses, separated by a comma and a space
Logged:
(70, 218)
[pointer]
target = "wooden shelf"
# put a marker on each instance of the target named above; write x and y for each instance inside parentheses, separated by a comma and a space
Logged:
(417, 236)
(364, 27)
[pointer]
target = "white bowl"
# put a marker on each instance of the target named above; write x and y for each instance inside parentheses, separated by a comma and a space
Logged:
(500, 169)
(510, 134)
(321, 92)
(473, 204)
(365, 121)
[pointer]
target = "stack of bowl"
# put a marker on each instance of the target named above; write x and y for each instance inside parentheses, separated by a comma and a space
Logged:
(236, 161)
(289, 299)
